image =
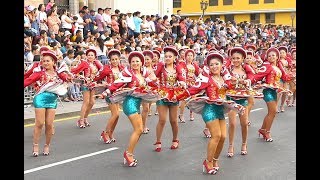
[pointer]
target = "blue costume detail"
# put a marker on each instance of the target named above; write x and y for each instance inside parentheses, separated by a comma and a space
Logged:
(165, 103)
(46, 100)
(212, 111)
(243, 102)
(84, 88)
(108, 100)
(269, 95)
(131, 105)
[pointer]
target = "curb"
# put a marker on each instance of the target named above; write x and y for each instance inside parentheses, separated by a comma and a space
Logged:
(68, 114)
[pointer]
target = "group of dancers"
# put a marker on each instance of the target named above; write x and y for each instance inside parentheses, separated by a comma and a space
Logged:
(225, 83)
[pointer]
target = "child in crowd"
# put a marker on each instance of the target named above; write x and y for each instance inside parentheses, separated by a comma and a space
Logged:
(74, 87)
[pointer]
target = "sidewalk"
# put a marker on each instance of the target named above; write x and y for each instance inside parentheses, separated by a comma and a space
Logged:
(67, 109)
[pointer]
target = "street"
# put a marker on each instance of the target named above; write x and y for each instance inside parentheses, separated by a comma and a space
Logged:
(77, 154)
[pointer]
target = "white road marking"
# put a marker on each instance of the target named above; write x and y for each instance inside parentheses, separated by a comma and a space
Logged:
(258, 109)
(69, 160)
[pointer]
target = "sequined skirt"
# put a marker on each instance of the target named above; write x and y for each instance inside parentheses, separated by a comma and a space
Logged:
(46, 100)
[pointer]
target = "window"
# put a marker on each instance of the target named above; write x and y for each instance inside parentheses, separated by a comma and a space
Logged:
(253, 1)
(255, 18)
(229, 17)
(268, 1)
(176, 3)
(227, 2)
(213, 2)
(270, 18)
(214, 17)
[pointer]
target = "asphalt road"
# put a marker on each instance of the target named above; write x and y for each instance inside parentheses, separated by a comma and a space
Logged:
(77, 154)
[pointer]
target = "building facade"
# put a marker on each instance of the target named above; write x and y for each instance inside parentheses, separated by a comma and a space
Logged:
(256, 11)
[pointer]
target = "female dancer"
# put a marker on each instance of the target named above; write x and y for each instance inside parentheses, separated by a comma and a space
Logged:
(272, 71)
(240, 73)
(146, 106)
(292, 83)
(90, 67)
(170, 77)
(136, 78)
(211, 107)
(155, 61)
(286, 64)
(181, 57)
(49, 84)
(110, 73)
(250, 61)
(192, 71)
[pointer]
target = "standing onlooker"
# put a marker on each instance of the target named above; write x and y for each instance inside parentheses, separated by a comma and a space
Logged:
(114, 24)
(53, 21)
(101, 50)
(130, 22)
(49, 5)
(137, 23)
(66, 21)
(107, 17)
(174, 27)
(42, 18)
(100, 21)
(92, 21)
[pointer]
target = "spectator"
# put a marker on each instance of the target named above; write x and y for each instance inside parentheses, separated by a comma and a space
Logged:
(42, 18)
(131, 25)
(53, 21)
(137, 23)
(69, 57)
(49, 5)
(66, 21)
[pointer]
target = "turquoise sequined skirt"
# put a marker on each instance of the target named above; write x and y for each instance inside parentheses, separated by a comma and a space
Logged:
(131, 105)
(46, 100)
(243, 102)
(269, 95)
(212, 111)
(165, 103)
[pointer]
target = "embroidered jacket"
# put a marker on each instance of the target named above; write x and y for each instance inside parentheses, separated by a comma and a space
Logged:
(212, 89)
(168, 79)
(107, 73)
(128, 79)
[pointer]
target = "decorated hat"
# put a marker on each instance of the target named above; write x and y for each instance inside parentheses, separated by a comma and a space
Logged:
(250, 46)
(283, 48)
(91, 50)
(293, 50)
(238, 50)
(136, 54)
(187, 51)
(156, 52)
(183, 48)
(250, 52)
(44, 48)
(171, 49)
(148, 53)
(51, 54)
(114, 51)
(214, 55)
(212, 49)
(272, 49)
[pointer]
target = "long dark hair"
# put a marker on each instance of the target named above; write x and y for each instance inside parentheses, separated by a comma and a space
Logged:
(100, 43)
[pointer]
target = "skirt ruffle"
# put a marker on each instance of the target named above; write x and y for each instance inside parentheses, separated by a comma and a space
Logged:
(243, 94)
(274, 86)
(175, 94)
(196, 104)
(147, 95)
